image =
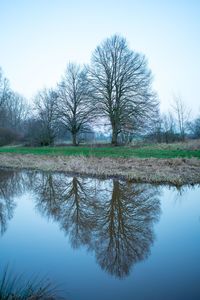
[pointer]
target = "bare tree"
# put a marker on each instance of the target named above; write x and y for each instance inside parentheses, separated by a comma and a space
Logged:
(121, 83)
(181, 115)
(13, 112)
(197, 127)
(194, 128)
(74, 108)
(4, 88)
(168, 127)
(45, 105)
(4, 94)
(13, 107)
(16, 110)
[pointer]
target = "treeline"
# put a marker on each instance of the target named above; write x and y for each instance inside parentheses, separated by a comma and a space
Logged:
(13, 113)
(115, 89)
(175, 125)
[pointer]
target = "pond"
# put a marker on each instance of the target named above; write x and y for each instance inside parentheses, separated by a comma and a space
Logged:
(101, 239)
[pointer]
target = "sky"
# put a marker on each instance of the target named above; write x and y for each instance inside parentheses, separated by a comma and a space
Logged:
(39, 37)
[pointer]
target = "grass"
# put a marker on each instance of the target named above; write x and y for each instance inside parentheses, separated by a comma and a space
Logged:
(124, 152)
(179, 170)
(14, 287)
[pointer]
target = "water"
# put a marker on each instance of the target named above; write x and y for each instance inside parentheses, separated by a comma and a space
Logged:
(102, 239)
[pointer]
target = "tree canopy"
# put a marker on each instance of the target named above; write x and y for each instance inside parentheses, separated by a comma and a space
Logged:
(122, 86)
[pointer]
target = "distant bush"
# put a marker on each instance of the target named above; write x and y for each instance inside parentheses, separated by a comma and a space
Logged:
(8, 136)
(194, 128)
(35, 135)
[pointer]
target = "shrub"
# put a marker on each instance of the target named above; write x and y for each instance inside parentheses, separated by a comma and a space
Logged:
(8, 136)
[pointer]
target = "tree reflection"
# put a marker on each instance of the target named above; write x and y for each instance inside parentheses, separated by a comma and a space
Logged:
(10, 186)
(70, 201)
(124, 233)
(112, 218)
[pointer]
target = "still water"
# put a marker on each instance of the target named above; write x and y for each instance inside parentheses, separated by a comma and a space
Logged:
(102, 239)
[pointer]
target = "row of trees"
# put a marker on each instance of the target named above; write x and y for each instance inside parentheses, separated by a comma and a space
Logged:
(116, 89)
(175, 125)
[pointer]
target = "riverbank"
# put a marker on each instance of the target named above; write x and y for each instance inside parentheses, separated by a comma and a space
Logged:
(176, 171)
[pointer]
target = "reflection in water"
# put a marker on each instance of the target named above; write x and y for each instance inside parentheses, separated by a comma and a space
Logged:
(70, 201)
(112, 218)
(11, 185)
(124, 233)
(115, 221)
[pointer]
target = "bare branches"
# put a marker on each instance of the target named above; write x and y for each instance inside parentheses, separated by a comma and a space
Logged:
(121, 83)
(74, 107)
(181, 115)
(45, 105)
(194, 127)
(13, 112)
(4, 89)
(117, 86)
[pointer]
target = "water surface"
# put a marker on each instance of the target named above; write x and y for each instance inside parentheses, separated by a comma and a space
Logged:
(102, 239)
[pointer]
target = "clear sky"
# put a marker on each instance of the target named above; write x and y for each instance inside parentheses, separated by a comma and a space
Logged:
(39, 37)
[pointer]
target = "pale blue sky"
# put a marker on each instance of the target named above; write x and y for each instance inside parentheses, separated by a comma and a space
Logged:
(39, 37)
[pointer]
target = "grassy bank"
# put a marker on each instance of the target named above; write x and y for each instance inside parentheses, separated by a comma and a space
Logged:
(161, 163)
(177, 171)
(123, 152)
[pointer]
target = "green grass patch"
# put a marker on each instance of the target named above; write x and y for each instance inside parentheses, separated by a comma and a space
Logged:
(125, 152)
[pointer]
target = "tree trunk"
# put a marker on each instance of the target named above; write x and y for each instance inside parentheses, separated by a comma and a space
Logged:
(74, 139)
(114, 136)
(182, 135)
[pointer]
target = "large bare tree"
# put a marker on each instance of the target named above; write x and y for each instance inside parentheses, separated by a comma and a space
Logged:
(74, 108)
(121, 83)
